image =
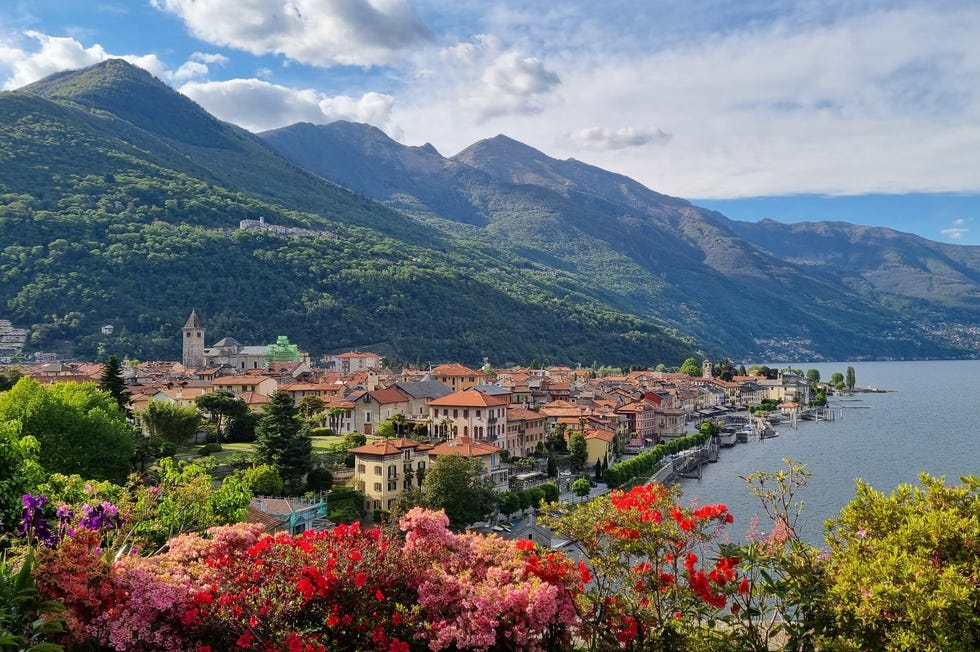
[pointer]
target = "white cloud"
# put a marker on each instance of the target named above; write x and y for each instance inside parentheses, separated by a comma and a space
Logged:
(315, 32)
(258, 105)
(56, 54)
(603, 138)
(210, 57)
(59, 53)
(189, 70)
(954, 234)
(827, 98)
(488, 81)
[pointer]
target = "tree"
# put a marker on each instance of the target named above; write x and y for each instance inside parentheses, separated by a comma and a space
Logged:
(456, 484)
(20, 471)
(581, 487)
(386, 430)
(691, 368)
(263, 480)
(80, 428)
(552, 466)
(556, 439)
(112, 381)
(283, 440)
(837, 380)
(221, 406)
(578, 450)
(9, 378)
(851, 380)
(813, 375)
(170, 421)
(310, 406)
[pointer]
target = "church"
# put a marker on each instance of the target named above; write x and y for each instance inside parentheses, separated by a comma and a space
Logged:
(229, 352)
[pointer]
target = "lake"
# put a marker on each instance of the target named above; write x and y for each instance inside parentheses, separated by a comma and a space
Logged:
(928, 421)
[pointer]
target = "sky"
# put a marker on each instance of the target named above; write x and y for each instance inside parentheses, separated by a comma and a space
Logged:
(865, 111)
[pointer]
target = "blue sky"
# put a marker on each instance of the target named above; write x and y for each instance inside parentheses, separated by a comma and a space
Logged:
(865, 111)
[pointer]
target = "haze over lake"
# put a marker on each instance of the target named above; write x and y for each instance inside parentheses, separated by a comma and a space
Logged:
(928, 421)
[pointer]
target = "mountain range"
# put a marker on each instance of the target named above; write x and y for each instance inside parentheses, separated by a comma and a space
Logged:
(121, 202)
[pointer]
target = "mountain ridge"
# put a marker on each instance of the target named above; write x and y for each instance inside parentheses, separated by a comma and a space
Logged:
(120, 210)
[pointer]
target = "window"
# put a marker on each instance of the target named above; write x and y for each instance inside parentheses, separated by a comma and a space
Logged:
(455, 413)
(392, 486)
(421, 466)
(367, 417)
(478, 414)
(466, 414)
(408, 454)
(377, 486)
(377, 469)
(360, 468)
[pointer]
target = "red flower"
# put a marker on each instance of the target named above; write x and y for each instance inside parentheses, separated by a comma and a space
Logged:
(360, 580)
(245, 640)
(525, 544)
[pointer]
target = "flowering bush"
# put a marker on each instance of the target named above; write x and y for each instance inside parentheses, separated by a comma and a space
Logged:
(340, 589)
(652, 581)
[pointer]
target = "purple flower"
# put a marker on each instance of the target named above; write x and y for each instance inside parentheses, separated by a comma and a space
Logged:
(33, 525)
(103, 516)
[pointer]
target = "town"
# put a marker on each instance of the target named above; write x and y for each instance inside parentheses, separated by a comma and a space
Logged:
(511, 421)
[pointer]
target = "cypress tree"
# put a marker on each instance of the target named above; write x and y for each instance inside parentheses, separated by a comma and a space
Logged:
(113, 382)
(283, 439)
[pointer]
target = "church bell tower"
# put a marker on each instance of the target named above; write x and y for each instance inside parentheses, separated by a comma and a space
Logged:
(193, 341)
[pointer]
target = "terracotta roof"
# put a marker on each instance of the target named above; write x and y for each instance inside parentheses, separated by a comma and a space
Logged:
(389, 395)
(240, 380)
(468, 398)
(455, 369)
(253, 398)
(523, 414)
(354, 354)
(269, 522)
(385, 447)
(599, 433)
(466, 447)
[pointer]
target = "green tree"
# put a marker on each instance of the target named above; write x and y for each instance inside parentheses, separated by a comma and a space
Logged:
(182, 498)
(851, 380)
(551, 492)
(579, 450)
(581, 487)
(112, 381)
(9, 378)
(552, 466)
(556, 438)
(310, 406)
(80, 429)
(263, 480)
(837, 380)
(813, 375)
(20, 472)
(170, 421)
(283, 440)
(456, 484)
(385, 429)
(220, 407)
(691, 367)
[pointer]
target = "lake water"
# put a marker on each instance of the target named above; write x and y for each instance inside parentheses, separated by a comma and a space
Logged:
(928, 421)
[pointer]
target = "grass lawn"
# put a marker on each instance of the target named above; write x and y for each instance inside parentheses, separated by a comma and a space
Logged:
(231, 449)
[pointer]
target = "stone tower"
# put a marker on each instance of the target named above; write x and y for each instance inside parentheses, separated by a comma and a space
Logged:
(706, 371)
(193, 341)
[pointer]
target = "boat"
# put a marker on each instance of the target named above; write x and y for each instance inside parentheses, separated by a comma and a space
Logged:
(727, 437)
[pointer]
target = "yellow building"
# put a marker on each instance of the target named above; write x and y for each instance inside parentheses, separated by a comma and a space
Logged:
(386, 469)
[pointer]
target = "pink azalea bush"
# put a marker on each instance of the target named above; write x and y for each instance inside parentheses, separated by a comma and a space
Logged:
(423, 588)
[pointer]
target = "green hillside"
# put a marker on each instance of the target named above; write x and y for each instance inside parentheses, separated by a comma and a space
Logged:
(118, 209)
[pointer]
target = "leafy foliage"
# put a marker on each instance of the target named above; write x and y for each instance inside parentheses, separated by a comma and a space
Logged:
(282, 439)
(80, 429)
(456, 485)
